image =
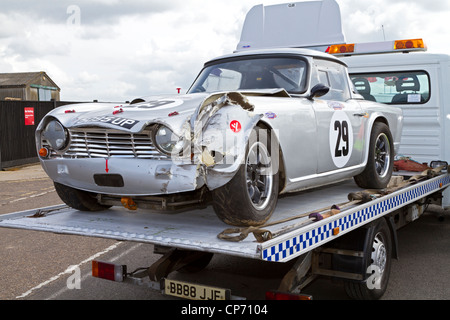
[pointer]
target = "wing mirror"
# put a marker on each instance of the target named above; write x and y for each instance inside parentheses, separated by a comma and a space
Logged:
(318, 90)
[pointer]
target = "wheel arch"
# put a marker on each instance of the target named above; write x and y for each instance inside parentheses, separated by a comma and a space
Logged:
(281, 162)
(382, 119)
(378, 118)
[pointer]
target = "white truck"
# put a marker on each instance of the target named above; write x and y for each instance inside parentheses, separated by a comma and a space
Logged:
(402, 73)
(349, 234)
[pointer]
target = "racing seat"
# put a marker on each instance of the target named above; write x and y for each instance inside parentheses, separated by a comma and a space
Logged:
(259, 80)
(363, 87)
(408, 83)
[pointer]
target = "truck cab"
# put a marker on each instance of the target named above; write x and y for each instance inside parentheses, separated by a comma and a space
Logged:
(412, 79)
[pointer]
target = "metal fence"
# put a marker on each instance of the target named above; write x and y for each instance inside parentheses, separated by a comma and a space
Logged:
(18, 122)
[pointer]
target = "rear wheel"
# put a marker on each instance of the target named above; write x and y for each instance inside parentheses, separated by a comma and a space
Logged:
(378, 261)
(380, 162)
(78, 199)
(250, 198)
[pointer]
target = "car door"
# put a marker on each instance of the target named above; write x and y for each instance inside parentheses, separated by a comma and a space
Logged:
(340, 128)
(294, 122)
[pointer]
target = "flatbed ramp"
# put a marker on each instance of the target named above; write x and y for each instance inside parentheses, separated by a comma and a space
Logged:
(199, 229)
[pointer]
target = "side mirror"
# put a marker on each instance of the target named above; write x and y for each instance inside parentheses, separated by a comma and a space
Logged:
(318, 90)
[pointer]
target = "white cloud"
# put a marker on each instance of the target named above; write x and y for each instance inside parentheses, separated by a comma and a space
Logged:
(364, 21)
(125, 49)
(87, 77)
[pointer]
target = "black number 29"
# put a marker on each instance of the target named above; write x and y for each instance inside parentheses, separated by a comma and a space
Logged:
(342, 129)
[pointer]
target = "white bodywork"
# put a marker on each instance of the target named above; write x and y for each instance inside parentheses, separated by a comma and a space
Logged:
(426, 127)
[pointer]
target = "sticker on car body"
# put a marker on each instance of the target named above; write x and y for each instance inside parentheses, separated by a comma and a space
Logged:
(160, 104)
(336, 105)
(116, 121)
(341, 138)
(235, 126)
(270, 115)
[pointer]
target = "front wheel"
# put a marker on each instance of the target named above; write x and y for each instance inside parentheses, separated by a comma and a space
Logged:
(78, 199)
(380, 162)
(250, 198)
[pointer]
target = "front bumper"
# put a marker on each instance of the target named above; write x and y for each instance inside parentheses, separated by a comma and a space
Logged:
(125, 177)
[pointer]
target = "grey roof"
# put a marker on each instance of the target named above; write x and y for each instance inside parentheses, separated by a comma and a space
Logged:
(295, 51)
(23, 79)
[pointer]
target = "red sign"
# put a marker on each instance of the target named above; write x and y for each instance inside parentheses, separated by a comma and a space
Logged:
(29, 116)
(235, 126)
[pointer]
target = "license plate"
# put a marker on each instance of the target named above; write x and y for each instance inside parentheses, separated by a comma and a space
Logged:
(194, 291)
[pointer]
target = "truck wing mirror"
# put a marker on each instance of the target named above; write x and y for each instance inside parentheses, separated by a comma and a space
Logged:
(318, 90)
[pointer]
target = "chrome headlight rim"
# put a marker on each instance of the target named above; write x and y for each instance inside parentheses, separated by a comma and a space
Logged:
(165, 140)
(55, 134)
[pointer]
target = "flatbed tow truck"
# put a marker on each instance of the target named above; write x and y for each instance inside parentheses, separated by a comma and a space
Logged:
(337, 230)
(336, 241)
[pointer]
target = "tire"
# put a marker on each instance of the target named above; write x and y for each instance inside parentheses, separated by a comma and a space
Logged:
(380, 161)
(378, 253)
(250, 198)
(78, 199)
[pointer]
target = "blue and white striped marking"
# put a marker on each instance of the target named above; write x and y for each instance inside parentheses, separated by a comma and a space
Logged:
(300, 243)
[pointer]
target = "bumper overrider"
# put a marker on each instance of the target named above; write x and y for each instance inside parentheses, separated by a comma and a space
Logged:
(116, 155)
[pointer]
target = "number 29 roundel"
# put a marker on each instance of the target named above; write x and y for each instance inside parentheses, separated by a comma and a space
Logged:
(341, 138)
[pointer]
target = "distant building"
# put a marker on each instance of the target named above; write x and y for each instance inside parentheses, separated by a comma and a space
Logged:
(31, 86)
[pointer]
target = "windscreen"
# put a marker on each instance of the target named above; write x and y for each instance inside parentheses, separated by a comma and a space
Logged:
(253, 73)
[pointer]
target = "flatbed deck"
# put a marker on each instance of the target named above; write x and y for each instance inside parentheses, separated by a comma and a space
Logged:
(199, 229)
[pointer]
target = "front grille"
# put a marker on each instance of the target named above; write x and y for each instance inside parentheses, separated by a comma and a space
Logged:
(91, 143)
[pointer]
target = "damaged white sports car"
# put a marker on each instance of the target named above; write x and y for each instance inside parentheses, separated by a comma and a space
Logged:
(253, 125)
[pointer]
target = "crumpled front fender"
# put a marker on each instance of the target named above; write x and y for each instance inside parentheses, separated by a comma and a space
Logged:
(221, 129)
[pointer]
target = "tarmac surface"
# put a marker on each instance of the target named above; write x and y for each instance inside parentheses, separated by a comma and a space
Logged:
(27, 172)
(26, 187)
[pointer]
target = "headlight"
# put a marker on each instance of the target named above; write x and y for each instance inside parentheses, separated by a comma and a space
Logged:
(55, 134)
(167, 141)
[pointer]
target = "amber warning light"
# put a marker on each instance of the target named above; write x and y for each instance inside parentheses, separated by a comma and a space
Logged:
(409, 44)
(377, 47)
(341, 48)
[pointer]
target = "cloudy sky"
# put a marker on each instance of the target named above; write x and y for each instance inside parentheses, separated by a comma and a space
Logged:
(117, 50)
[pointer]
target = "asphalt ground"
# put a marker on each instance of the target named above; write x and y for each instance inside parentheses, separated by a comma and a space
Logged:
(34, 265)
(29, 258)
